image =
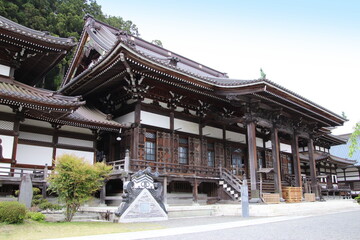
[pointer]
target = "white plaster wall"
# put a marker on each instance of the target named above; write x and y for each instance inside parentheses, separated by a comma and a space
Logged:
(147, 100)
(76, 129)
(88, 156)
(35, 137)
(126, 119)
(153, 119)
(179, 109)
(3, 169)
(5, 125)
(7, 144)
(352, 174)
(259, 142)
(352, 178)
(34, 155)
(192, 112)
(4, 70)
(186, 126)
(285, 148)
(213, 132)
(7, 109)
(268, 144)
(36, 123)
(75, 142)
(235, 137)
(350, 170)
(164, 105)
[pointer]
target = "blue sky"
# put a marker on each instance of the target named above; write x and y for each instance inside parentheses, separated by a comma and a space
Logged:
(309, 47)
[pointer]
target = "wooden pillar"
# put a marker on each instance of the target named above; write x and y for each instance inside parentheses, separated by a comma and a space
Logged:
(275, 145)
(201, 137)
(264, 153)
(313, 178)
(224, 146)
(296, 160)
(136, 131)
(172, 130)
(251, 141)
(195, 191)
(16, 140)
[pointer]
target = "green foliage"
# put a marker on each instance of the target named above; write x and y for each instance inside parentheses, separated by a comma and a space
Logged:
(12, 212)
(35, 216)
(354, 140)
(41, 203)
(36, 191)
(45, 204)
(357, 199)
(75, 181)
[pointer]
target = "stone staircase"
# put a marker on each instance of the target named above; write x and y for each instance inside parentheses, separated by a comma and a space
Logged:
(231, 184)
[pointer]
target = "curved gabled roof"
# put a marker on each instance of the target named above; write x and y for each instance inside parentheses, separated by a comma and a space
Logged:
(152, 58)
(20, 94)
(30, 52)
(38, 37)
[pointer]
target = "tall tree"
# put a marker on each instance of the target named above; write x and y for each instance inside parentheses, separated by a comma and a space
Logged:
(63, 18)
(354, 145)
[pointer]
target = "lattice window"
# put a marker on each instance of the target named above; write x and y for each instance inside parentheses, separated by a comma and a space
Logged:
(150, 146)
(150, 135)
(183, 151)
(211, 155)
(5, 125)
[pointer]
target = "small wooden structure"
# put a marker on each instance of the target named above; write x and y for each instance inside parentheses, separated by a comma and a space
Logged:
(292, 194)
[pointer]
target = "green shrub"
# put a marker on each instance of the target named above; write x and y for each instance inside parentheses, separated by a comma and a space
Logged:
(12, 212)
(35, 216)
(44, 205)
(357, 199)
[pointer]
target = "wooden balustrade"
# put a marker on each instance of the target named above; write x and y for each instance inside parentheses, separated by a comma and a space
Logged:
(117, 165)
(16, 172)
(173, 168)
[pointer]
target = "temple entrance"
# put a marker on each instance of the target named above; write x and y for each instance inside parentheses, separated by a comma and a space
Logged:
(237, 162)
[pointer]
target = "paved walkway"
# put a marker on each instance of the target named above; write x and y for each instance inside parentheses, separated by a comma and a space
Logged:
(281, 212)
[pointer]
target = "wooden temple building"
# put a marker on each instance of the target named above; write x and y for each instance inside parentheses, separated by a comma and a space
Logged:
(135, 105)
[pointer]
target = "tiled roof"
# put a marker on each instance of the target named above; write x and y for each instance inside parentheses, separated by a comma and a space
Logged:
(319, 156)
(84, 117)
(343, 150)
(35, 98)
(31, 33)
(90, 115)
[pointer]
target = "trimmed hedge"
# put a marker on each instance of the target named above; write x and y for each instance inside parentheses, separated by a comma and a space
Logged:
(12, 212)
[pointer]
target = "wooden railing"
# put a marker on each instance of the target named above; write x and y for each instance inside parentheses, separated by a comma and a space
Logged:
(290, 179)
(231, 179)
(174, 168)
(117, 165)
(16, 172)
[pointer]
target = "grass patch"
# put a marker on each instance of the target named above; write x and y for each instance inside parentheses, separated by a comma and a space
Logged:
(40, 230)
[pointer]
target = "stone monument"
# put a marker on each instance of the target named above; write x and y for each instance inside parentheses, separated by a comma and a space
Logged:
(26, 190)
(142, 199)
